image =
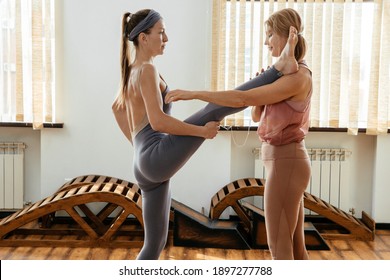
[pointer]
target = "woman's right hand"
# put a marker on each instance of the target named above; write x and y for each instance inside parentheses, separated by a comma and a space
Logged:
(211, 130)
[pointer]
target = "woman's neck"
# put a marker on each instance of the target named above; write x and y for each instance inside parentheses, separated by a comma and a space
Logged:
(141, 58)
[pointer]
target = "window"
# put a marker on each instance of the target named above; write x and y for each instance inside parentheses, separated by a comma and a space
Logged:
(349, 54)
(27, 61)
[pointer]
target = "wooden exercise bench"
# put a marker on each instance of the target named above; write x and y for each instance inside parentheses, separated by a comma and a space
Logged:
(104, 229)
(232, 194)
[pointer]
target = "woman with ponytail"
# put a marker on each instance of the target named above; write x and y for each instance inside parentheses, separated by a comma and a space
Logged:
(162, 143)
(282, 110)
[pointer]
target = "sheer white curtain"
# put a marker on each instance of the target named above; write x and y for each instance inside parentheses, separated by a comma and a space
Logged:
(27, 61)
(349, 54)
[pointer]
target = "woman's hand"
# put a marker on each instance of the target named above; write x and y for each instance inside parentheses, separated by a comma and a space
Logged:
(211, 130)
(256, 113)
(178, 94)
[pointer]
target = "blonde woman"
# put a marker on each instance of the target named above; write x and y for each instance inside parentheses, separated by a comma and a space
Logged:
(282, 109)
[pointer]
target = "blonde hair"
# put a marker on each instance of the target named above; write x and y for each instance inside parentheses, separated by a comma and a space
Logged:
(280, 23)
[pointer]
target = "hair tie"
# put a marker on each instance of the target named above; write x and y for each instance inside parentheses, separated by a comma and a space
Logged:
(144, 24)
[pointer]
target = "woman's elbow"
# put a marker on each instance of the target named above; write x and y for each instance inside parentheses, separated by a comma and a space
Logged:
(157, 125)
(159, 121)
(255, 118)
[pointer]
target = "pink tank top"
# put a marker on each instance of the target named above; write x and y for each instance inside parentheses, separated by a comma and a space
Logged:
(285, 122)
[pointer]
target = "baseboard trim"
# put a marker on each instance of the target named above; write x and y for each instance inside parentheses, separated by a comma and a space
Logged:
(382, 226)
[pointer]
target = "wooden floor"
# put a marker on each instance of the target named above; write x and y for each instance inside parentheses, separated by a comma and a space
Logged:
(379, 249)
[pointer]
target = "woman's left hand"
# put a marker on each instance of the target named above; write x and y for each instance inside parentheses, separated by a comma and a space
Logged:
(178, 94)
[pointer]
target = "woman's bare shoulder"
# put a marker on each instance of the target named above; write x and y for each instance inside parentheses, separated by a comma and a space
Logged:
(302, 76)
(148, 69)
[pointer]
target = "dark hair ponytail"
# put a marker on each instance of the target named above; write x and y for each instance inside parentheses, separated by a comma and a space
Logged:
(124, 60)
(129, 21)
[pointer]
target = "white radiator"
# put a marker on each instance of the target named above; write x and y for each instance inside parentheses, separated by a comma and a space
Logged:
(329, 175)
(11, 175)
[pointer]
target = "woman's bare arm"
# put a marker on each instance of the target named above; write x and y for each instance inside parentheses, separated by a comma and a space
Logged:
(286, 87)
(150, 90)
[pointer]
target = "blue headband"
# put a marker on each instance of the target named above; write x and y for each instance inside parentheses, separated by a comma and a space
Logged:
(144, 24)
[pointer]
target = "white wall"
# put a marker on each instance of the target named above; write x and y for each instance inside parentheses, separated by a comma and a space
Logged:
(87, 40)
(381, 189)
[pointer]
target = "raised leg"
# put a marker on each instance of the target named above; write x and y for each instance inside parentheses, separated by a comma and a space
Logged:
(165, 154)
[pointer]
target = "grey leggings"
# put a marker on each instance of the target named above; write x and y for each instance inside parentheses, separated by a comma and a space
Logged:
(158, 156)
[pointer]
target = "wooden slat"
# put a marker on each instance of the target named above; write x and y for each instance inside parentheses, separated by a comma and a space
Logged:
(34, 206)
(25, 209)
(242, 214)
(101, 228)
(221, 194)
(100, 179)
(72, 186)
(320, 202)
(89, 178)
(215, 200)
(10, 217)
(253, 208)
(58, 196)
(253, 182)
(130, 194)
(47, 200)
(118, 221)
(119, 189)
(357, 221)
(231, 188)
(107, 187)
(79, 179)
(107, 210)
(113, 180)
(241, 183)
(135, 188)
(329, 206)
(342, 213)
(92, 234)
(309, 196)
(83, 190)
(95, 187)
(70, 192)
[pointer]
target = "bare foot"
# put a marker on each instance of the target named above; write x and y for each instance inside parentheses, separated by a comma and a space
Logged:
(287, 63)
